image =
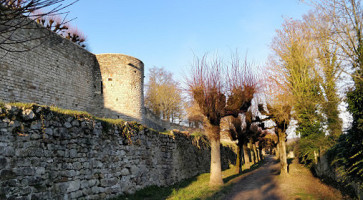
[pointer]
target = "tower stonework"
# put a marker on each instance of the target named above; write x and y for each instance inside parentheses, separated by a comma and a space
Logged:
(122, 86)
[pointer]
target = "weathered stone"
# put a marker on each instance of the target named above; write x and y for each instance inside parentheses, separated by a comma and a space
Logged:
(85, 184)
(14, 124)
(7, 174)
(92, 182)
(3, 125)
(48, 131)
(12, 109)
(35, 181)
(108, 182)
(97, 131)
(67, 125)
(7, 150)
(39, 109)
(61, 188)
(96, 190)
(134, 170)
(75, 195)
(3, 163)
(35, 136)
(40, 171)
(74, 186)
(75, 123)
(27, 171)
(28, 114)
(125, 172)
(73, 153)
(36, 125)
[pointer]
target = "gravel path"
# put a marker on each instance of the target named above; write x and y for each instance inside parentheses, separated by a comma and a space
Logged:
(258, 184)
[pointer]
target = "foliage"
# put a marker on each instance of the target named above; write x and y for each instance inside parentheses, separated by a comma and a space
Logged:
(347, 18)
(163, 95)
(309, 147)
(348, 152)
(328, 67)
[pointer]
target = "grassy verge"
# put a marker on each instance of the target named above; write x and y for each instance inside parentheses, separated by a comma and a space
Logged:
(193, 188)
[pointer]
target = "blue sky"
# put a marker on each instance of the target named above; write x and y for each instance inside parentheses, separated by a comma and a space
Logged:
(168, 33)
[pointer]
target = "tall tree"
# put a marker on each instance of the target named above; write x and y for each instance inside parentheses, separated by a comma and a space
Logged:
(163, 95)
(293, 74)
(217, 98)
(347, 20)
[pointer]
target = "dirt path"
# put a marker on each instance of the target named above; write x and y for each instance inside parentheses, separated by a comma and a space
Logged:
(266, 183)
(258, 184)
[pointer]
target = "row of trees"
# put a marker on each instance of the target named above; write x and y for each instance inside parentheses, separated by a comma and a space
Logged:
(310, 57)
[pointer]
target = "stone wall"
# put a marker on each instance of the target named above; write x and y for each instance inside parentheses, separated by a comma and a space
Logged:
(49, 71)
(49, 155)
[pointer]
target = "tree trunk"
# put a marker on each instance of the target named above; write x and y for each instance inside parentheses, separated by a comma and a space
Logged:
(246, 157)
(262, 152)
(215, 155)
(215, 163)
(283, 157)
(257, 157)
(277, 151)
(252, 153)
(239, 159)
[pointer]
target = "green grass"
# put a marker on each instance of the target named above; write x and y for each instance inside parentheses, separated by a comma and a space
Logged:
(193, 188)
(303, 196)
(168, 132)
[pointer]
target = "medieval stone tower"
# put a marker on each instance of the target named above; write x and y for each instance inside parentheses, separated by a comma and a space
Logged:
(122, 81)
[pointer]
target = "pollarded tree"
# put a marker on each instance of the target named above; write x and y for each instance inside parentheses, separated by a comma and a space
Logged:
(163, 95)
(15, 15)
(217, 98)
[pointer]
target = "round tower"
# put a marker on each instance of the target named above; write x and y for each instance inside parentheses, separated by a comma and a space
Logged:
(122, 86)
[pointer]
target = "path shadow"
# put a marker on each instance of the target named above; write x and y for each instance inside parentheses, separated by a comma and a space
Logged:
(266, 185)
(253, 167)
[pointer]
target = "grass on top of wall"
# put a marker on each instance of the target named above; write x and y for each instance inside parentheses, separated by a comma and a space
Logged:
(73, 113)
(193, 188)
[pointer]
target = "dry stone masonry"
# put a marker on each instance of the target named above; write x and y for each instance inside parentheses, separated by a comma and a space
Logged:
(48, 155)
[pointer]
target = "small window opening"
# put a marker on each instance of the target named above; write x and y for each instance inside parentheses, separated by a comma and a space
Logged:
(101, 87)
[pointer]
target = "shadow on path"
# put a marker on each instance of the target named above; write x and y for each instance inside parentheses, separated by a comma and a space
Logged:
(258, 184)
